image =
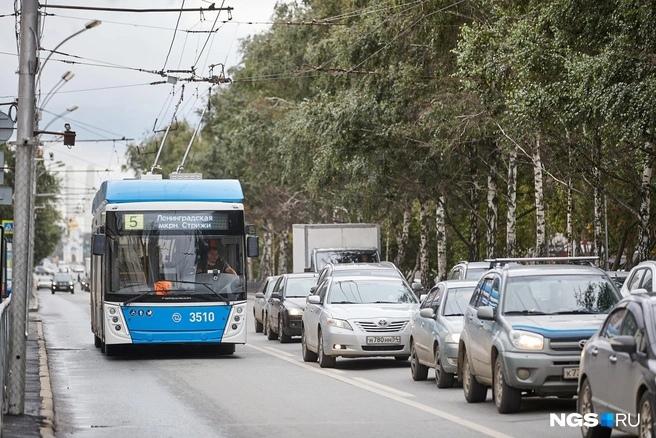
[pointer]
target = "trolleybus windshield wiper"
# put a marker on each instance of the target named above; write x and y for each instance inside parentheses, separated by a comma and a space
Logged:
(223, 297)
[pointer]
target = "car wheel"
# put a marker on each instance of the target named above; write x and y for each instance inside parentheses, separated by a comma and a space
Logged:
(282, 337)
(308, 356)
(475, 392)
(585, 407)
(507, 398)
(97, 342)
(646, 410)
(258, 325)
(442, 378)
(325, 360)
(271, 335)
(419, 371)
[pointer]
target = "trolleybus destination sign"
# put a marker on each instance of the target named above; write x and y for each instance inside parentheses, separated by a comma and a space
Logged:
(174, 221)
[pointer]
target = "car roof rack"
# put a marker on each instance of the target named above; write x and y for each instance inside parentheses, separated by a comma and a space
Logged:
(580, 260)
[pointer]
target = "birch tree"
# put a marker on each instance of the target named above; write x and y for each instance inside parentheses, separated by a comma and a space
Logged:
(538, 189)
(440, 237)
(511, 209)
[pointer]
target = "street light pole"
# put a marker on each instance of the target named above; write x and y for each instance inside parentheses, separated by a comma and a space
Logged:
(25, 144)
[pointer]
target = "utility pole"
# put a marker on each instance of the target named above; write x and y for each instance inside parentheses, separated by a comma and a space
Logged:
(25, 143)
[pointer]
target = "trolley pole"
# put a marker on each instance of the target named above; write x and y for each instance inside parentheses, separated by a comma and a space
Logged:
(25, 144)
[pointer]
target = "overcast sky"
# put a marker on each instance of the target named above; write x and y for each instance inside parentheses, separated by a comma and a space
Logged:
(142, 42)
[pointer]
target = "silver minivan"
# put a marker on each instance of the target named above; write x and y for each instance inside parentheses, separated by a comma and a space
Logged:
(436, 331)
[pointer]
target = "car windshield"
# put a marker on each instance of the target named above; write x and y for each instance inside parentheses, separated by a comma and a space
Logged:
(299, 287)
(475, 273)
(62, 277)
(559, 294)
(363, 291)
(457, 300)
(345, 256)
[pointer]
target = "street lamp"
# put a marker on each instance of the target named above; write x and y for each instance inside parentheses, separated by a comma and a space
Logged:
(59, 116)
(64, 79)
(89, 25)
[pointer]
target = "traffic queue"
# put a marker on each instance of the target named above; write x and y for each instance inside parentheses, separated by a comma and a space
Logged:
(524, 327)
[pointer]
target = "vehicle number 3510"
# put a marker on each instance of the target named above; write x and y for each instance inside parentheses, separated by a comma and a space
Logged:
(201, 317)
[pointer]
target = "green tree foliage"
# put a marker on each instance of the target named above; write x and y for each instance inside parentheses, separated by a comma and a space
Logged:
(397, 104)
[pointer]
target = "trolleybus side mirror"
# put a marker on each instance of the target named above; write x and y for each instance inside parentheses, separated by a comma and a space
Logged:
(98, 244)
(252, 246)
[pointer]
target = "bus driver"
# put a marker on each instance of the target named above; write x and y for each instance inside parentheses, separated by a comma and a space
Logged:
(214, 261)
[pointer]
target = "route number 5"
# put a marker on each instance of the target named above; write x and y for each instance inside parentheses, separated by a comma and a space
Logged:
(134, 221)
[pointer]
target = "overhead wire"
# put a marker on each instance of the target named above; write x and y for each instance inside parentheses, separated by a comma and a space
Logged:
(175, 32)
(82, 123)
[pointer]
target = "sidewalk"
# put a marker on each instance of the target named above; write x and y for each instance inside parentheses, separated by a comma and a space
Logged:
(37, 420)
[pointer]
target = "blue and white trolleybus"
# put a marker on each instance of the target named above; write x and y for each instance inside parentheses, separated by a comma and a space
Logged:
(168, 263)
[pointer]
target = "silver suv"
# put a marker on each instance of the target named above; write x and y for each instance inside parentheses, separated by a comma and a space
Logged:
(468, 270)
(525, 327)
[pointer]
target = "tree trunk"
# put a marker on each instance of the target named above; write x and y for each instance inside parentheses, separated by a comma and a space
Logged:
(645, 201)
(424, 266)
(492, 206)
(440, 225)
(402, 239)
(473, 202)
(620, 250)
(283, 244)
(266, 266)
(597, 246)
(569, 231)
(511, 213)
(540, 224)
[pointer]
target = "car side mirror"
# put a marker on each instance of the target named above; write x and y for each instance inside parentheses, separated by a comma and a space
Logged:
(485, 313)
(276, 296)
(259, 295)
(624, 344)
(98, 244)
(427, 313)
(313, 299)
(252, 246)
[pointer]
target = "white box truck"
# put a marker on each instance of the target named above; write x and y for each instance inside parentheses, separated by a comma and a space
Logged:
(315, 245)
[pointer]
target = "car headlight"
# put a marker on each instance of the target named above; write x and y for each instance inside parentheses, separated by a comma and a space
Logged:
(339, 323)
(452, 338)
(295, 311)
(526, 340)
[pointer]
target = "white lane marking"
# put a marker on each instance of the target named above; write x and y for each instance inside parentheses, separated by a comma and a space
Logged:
(414, 404)
(384, 387)
(276, 350)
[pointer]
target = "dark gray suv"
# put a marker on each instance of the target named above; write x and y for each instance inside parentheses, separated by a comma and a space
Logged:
(525, 327)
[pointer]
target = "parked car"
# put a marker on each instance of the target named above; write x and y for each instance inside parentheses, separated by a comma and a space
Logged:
(261, 298)
(436, 331)
(640, 277)
(468, 271)
(357, 316)
(618, 277)
(623, 351)
(286, 305)
(524, 328)
(63, 282)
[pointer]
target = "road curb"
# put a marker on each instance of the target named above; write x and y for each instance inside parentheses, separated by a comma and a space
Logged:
(47, 429)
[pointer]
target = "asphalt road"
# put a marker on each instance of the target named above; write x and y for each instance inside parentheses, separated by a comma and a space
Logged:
(263, 390)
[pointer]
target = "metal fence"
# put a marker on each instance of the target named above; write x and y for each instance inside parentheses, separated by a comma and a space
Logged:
(4, 351)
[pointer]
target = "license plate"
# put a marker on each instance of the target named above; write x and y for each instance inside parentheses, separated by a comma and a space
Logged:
(571, 373)
(383, 340)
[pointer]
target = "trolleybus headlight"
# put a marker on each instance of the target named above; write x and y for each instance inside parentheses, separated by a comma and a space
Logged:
(117, 327)
(114, 319)
(112, 310)
(234, 326)
(237, 318)
(240, 309)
